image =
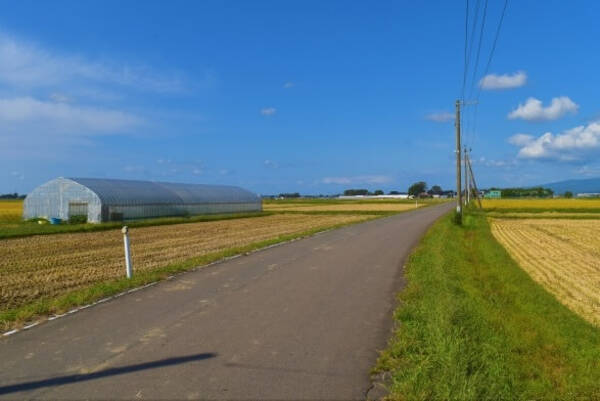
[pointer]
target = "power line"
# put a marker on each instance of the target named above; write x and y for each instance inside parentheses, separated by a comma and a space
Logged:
(478, 49)
(487, 66)
(466, 40)
(469, 52)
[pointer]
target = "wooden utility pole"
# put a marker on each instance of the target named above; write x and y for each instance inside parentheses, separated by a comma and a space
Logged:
(458, 188)
(473, 182)
(466, 176)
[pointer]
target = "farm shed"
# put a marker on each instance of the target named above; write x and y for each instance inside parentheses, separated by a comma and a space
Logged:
(107, 199)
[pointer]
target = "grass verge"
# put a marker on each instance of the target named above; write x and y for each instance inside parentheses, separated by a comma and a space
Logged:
(16, 317)
(473, 325)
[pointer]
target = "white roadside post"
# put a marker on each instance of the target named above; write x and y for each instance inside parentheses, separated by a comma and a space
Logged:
(125, 230)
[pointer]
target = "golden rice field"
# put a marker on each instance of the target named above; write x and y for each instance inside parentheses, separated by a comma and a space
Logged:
(548, 204)
(11, 211)
(562, 255)
(349, 207)
(51, 265)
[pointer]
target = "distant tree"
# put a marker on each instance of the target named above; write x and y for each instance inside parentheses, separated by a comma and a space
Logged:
(417, 188)
(568, 194)
(12, 196)
(290, 195)
(353, 192)
(435, 190)
(378, 192)
(394, 193)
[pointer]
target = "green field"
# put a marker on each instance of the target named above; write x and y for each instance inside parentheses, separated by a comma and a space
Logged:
(472, 325)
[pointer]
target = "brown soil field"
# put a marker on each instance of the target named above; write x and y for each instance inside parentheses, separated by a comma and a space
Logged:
(368, 207)
(562, 255)
(51, 265)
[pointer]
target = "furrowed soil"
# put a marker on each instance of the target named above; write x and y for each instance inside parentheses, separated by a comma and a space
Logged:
(51, 265)
(562, 255)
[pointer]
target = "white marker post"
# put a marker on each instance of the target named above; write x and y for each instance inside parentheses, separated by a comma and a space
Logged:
(125, 230)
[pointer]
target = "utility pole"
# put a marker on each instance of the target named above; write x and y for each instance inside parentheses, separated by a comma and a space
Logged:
(458, 188)
(474, 183)
(466, 175)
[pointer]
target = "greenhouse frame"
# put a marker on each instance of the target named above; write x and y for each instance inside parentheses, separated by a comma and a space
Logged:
(102, 200)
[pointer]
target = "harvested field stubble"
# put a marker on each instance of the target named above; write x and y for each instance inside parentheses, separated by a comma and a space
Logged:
(532, 205)
(47, 266)
(562, 255)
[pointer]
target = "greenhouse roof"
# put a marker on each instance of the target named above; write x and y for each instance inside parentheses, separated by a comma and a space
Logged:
(132, 192)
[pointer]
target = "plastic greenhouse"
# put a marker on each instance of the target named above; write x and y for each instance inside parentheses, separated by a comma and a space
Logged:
(107, 199)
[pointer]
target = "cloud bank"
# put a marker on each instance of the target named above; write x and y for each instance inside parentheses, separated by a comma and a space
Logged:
(63, 117)
(504, 81)
(576, 144)
(533, 110)
(27, 65)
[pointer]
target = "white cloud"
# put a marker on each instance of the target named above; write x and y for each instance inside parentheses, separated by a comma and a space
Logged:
(441, 117)
(62, 117)
(359, 179)
(520, 139)
(288, 85)
(268, 111)
(271, 164)
(25, 64)
(60, 98)
(572, 145)
(533, 109)
(495, 163)
(588, 170)
(18, 175)
(504, 81)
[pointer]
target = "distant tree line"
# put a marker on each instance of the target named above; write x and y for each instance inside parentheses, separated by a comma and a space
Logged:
(534, 192)
(377, 192)
(290, 195)
(419, 189)
(12, 196)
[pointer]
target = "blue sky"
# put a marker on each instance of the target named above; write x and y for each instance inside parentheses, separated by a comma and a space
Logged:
(307, 96)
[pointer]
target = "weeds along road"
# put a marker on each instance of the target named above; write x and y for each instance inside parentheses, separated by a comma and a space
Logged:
(299, 321)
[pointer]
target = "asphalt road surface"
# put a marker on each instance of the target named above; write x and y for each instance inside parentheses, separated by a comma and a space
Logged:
(303, 320)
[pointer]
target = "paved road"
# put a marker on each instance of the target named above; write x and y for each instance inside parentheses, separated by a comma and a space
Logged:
(299, 321)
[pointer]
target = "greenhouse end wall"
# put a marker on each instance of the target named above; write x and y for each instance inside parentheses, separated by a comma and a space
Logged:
(54, 198)
(114, 200)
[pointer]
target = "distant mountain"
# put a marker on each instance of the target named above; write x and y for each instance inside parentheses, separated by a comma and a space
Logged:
(575, 186)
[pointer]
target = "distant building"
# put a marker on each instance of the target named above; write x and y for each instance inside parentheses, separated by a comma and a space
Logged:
(493, 194)
(588, 195)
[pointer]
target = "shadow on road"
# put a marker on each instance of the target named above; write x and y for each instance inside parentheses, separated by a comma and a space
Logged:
(57, 381)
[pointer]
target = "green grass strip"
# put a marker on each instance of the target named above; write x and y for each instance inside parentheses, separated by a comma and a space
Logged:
(15, 317)
(472, 325)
